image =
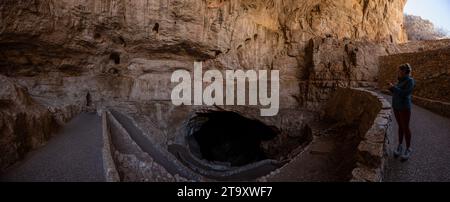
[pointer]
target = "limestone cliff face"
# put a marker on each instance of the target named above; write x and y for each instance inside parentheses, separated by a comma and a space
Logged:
(205, 29)
(144, 40)
(120, 50)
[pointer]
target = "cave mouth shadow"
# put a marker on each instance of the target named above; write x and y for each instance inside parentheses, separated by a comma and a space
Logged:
(227, 138)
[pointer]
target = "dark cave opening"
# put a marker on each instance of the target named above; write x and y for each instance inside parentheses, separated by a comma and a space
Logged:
(97, 36)
(88, 99)
(115, 57)
(156, 28)
(227, 137)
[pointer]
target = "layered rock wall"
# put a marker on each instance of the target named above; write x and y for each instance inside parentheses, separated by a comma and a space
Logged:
(137, 44)
(334, 64)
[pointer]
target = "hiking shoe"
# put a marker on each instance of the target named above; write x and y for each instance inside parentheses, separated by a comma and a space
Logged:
(407, 154)
(398, 151)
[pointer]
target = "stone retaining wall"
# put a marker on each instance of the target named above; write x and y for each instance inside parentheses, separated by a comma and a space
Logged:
(109, 167)
(420, 46)
(125, 161)
(431, 71)
(442, 108)
(372, 113)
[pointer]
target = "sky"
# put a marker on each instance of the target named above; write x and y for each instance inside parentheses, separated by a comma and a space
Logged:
(437, 11)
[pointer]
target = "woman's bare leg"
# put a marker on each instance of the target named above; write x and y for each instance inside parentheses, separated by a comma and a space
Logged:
(406, 117)
(398, 117)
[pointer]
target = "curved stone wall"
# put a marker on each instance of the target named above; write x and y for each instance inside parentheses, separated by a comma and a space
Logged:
(372, 113)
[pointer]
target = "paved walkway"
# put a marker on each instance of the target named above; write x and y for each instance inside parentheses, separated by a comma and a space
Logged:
(73, 155)
(326, 159)
(431, 150)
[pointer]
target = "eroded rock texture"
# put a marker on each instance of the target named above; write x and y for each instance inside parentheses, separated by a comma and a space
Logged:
(64, 51)
(141, 39)
(24, 124)
(419, 29)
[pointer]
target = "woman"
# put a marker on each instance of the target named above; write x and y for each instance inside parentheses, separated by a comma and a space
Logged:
(402, 103)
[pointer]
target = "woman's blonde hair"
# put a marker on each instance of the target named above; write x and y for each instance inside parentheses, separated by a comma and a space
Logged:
(406, 68)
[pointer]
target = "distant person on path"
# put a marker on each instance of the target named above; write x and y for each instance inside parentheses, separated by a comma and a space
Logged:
(88, 99)
(402, 104)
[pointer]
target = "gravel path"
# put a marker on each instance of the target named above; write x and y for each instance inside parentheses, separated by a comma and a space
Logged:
(73, 155)
(430, 160)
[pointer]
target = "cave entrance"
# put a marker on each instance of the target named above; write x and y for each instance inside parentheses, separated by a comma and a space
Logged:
(229, 138)
(115, 57)
(88, 100)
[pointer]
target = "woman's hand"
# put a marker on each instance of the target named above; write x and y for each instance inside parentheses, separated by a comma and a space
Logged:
(391, 85)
